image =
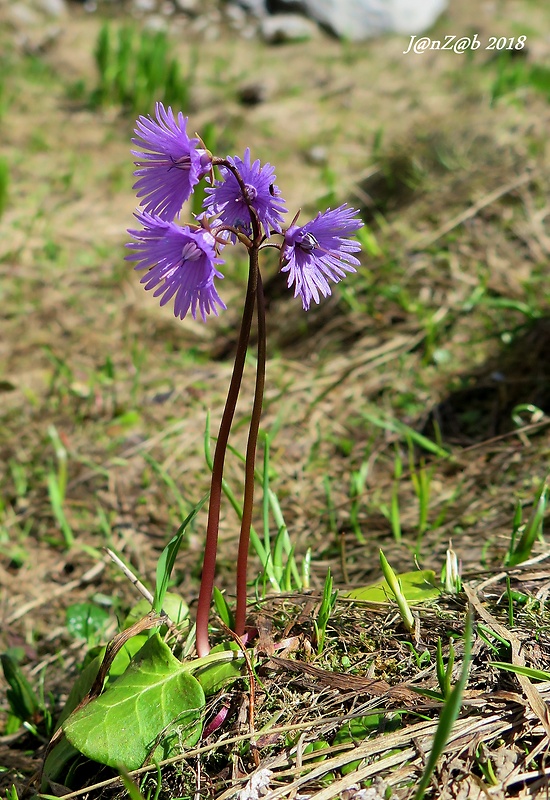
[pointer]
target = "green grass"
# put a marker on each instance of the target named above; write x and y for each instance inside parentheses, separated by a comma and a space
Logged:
(515, 73)
(524, 535)
(450, 711)
(136, 69)
(4, 185)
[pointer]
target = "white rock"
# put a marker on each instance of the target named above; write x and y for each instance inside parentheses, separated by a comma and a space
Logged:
(317, 155)
(287, 28)
(410, 17)
(362, 19)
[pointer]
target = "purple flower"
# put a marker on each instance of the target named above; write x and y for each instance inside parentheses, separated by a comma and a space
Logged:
(171, 164)
(181, 263)
(318, 252)
(226, 197)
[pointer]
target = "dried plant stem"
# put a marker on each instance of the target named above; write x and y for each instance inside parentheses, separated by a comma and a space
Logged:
(143, 590)
(248, 501)
(211, 545)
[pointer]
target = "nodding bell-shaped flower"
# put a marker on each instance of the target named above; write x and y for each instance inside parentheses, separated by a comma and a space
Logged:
(227, 199)
(170, 165)
(319, 252)
(181, 263)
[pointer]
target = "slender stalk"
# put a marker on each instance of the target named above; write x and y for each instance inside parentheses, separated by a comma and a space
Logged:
(248, 501)
(211, 545)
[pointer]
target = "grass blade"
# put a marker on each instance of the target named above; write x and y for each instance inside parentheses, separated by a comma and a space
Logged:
(167, 558)
(449, 714)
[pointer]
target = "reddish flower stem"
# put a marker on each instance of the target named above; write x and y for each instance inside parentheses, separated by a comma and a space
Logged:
(248, 501)
(211, 545)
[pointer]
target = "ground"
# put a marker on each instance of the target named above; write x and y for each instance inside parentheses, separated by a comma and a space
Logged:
(408, 409)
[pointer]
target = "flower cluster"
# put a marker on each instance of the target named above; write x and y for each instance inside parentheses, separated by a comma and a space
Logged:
(244, 204)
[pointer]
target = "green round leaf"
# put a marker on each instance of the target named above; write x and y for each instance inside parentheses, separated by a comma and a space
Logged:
(417, 586)
(156, 701)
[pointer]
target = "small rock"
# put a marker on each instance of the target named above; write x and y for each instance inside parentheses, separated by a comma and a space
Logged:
(317, 155)
(252, 94)
(283, 28)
